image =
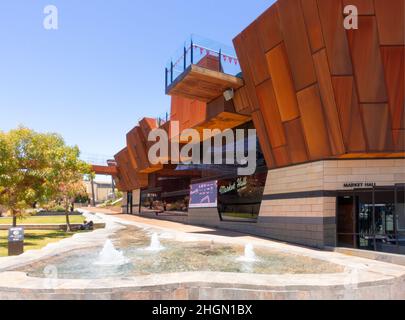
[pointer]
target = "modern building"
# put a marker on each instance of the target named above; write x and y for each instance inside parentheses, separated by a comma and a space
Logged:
(328, 106)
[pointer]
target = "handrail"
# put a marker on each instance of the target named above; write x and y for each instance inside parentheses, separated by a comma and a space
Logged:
(196, 50)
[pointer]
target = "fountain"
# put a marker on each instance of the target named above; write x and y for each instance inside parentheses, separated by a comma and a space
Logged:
(249, 255)
(109, 256)
(154, 243)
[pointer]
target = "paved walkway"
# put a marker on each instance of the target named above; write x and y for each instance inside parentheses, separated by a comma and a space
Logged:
(177, 226)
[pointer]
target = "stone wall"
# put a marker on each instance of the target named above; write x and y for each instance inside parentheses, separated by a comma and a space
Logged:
(299, 202)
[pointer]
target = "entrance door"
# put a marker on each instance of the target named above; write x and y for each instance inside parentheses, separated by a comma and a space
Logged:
(372, 219)
(346, 222)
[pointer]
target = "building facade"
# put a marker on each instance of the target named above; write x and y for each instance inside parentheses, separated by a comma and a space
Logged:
(328, 107)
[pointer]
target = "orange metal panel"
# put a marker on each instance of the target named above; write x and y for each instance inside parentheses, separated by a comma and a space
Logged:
(296, 42)
(247, 72)
(283, 83)
(187, 112)
(271, 115)
(268, 27)
(281, 156)
(254, 52)
(297, 148)
(329, 104)
(241, 101)
(147, 125)
(313, 24)
(313, 122)
(349, 112)
(364, 7)
(331, 15)
(390, 18)
(399, 139)
(393, 61)
(104, 170)
(263, 138)
(367, 62)
(378, 127)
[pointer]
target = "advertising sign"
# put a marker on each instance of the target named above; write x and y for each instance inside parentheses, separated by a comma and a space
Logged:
(16, 234)
(203, 195)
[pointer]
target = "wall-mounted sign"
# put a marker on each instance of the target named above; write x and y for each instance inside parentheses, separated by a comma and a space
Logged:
(16, 234)
(355, 185)
(236, 185)
(204, 195)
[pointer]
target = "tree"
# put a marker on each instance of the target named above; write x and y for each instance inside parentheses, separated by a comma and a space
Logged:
(68, 183)
(23, 169)
(67, 194)
(33, 166)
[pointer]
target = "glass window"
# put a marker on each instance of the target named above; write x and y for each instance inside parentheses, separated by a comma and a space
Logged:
(239, 199)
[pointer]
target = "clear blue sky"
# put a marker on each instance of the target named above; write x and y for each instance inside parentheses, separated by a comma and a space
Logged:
(103, 70)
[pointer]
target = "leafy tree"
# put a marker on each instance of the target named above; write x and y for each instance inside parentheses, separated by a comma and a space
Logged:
(33, 166)
(67, 177)
(67, 194)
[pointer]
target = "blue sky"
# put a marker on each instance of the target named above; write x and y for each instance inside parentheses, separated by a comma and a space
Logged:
(103, 69)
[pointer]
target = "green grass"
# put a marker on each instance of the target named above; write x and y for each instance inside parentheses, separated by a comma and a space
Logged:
(43, 220)
(33, 239)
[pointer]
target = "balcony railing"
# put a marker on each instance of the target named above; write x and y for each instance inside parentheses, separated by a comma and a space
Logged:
(194, 51)
(162, 119)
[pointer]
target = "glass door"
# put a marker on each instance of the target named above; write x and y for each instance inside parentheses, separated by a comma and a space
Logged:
(129, 202)
(400, 218)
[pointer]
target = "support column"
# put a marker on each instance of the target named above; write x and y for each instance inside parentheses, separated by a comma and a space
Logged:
(93, 196)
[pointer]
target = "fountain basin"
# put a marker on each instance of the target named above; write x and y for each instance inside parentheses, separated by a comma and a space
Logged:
(375, 280)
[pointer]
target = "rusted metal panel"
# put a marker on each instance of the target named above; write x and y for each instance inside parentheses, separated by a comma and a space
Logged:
(247, 72)
(390, 18)
(296, 42)
(367, 61)
(255, 56)
(313, 122)
(377, 126)
(313, 24)
(263, 138)
(331, 15)
(329, 104)
(364, 7)
(349, 113)
(283, 83)
(271, 114)
(393, 61)
(297, 146)
(268, 27)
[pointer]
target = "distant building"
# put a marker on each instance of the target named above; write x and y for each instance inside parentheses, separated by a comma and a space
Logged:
(103, 191)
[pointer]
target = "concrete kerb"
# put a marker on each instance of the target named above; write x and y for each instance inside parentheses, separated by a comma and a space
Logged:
(375, 279)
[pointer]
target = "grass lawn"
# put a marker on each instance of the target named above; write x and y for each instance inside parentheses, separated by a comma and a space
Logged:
(43, 220)
(33, 239)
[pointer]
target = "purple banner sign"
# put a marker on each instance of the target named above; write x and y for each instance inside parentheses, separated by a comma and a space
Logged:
(203, 195)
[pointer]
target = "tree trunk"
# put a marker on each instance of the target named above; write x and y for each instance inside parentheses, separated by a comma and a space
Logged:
(68, 229)
(14, 214)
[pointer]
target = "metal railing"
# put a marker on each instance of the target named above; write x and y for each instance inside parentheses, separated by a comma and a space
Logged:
(162, 119)
(195, 50)
(95, 159)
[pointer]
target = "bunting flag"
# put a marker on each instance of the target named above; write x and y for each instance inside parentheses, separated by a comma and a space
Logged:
(209, 52)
